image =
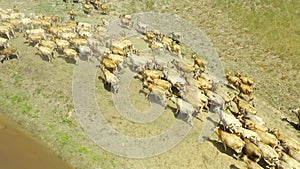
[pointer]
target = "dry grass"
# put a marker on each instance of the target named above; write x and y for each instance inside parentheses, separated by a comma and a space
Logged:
(275, 23)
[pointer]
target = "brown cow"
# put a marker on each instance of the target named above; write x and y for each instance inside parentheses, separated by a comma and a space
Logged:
(9, 51)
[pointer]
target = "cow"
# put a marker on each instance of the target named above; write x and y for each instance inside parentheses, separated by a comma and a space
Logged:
(231, 140)
(251, 150)
(9, 51)
(268, 154)
(185, 108)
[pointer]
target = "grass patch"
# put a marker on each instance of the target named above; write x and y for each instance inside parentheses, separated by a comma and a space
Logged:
(63, 139)
(83, 150)
(26, 109)
(16, 99)
(275, 23)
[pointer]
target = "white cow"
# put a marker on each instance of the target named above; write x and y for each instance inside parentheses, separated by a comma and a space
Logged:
(185, 108)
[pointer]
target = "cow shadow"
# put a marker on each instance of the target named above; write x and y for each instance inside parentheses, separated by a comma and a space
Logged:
(44, 58)
(70, 60)
(216, 123)
(263, 163)
(106, 86)
(151, 98)
(177, 114)
(3, 59)
(6, 58)
(221, 148)
(296, 126)
(232, 166)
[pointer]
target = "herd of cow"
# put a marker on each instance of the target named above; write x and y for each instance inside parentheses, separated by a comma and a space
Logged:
(188, 85)
(47, 33)
(88, 7)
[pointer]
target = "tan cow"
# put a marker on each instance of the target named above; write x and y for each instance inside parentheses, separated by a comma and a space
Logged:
(245, 80)
(247, 134)
(7, 31)
(61, 43)
(233, 80)
(72, 14)
(150, 36)
(76, 42)
(150, 75)
(104, 8)
(167, 42)
(11, 50)
(286, 141)
(246, 90)
(204, 83)
(47, 43)
(118, 59)
(46, 51)
(110, 78)
(251, 164)
(183, 67)
(71, 54)
(295, 154)
(177, 49)
(122, 47)
(34, 39)
(231, 140)
(268, 153)
(163, 83)
(4, 42)
(289, 160)
(244, 106)
(109, 64)
(267, 138)
(158, 92)
(199, 62)
(252, 125)
(252, 151)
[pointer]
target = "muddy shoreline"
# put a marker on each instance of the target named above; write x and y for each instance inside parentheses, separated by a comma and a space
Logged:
(21, 150)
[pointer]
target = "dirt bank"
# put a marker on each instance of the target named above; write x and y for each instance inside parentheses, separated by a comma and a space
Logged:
(20, 150)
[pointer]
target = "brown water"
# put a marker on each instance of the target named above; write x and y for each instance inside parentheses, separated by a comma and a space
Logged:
(20, 150)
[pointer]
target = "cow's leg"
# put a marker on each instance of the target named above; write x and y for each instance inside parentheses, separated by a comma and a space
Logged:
(18, 55)
(13, 33)
(190, 119)
(7, 34)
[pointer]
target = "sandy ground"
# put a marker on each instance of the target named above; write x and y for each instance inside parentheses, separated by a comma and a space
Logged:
(38, 95)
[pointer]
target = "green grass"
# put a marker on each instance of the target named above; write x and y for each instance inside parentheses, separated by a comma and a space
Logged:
(26, 109)
(16, 98)
(275, 23)
(64, 139)
(83, 150)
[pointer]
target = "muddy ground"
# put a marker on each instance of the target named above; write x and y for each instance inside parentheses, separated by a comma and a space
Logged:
(20, 150)
(38, 95)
